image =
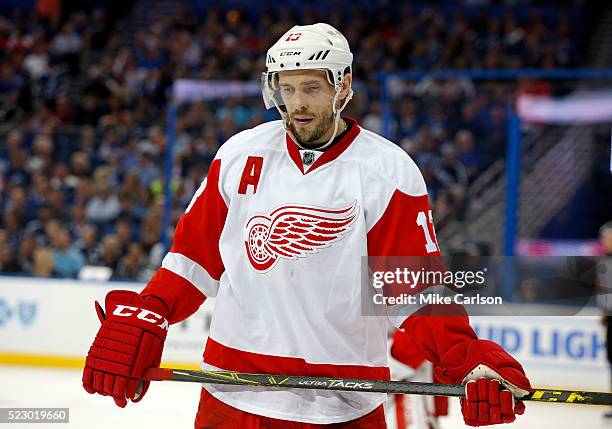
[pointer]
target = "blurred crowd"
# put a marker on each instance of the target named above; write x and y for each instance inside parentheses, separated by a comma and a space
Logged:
(83, 102)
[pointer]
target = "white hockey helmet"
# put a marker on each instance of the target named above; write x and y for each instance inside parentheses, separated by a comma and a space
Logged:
(306, 47)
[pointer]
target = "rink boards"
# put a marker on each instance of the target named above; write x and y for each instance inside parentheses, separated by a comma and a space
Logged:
(52, 323)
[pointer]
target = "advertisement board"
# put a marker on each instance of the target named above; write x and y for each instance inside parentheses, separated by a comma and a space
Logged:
(52, 322)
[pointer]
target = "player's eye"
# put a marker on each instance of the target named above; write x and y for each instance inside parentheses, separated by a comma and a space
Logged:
(287, 90)
(312, 89)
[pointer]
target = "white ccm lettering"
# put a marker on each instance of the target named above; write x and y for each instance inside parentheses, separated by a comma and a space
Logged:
(120, 310)
(144, 313)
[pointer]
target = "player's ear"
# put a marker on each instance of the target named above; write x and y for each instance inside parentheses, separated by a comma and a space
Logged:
(346, 87)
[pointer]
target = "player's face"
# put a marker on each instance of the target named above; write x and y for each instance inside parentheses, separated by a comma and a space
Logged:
(308, 97)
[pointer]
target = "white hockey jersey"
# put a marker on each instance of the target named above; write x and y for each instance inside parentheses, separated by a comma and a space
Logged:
(278, 237)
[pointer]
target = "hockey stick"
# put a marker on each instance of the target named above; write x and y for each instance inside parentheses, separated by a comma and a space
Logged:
(357, 385)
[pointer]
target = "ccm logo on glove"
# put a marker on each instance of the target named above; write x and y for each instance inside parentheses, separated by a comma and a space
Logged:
(129, 341)
(127, 311)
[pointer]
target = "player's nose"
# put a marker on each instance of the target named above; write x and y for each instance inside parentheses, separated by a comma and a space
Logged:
(300, 102)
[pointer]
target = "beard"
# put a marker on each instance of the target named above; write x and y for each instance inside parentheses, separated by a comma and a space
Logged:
(316, 130)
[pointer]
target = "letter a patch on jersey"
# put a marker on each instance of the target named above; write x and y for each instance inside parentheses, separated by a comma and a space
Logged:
(250, 174)
(294, 231)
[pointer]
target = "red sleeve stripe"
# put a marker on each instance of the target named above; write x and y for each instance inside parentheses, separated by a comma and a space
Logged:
(192, 272)
(180, 296)
(231, 359)
(199, 230)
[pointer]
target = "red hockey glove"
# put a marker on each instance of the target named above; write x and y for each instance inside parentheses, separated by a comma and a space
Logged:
(492, 378)
(130, 340)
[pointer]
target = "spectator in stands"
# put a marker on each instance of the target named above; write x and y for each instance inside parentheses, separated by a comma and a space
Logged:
(104, 206)
(109, 253)
(78, 219)
(409, 122)
(14, 140)
(123, 231)
(444, 207)
(119, 100)
(132, 264)
(42, 156)
(80, 167)
(25, 253)
(66, 45)
(467, 153)
(67, 259)
(43, 262)
(17, 202)
(16, 172)
(452, 176)
(427, 153)
(148, 172)
(57, 206)
(449, 171)
(49, 230)
(87, 242)
(11, 86)
(59, 176)
(64, 110)
(44, 120)
(8, 263)
(36, 63)
(39, 190)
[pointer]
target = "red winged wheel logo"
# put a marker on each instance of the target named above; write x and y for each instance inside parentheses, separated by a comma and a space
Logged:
(293, 232)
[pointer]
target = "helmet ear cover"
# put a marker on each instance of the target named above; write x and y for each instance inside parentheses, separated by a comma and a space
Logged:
(340, 78)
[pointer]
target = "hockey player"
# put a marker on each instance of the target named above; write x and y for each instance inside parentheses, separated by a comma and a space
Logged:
(277, 232)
